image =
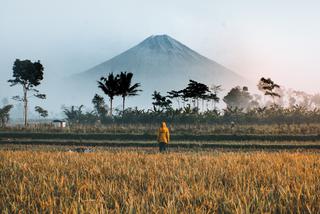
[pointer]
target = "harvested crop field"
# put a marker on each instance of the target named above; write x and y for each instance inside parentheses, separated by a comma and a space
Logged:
(137, 181)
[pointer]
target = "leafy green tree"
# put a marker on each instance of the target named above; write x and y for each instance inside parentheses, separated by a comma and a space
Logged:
(99, 106)
(110, 86)
(126, 87)
(4, 114)
(29, 75)
(238, 98)
(42, 112)
(267, 86)
(195, 91)
(160, 102)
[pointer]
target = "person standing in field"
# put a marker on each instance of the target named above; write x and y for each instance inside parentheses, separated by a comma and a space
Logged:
(163, 137)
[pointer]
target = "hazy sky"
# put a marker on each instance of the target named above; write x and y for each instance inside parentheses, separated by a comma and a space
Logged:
(275, 38)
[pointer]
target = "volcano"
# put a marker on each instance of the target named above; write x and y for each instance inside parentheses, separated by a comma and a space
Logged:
(160, 63)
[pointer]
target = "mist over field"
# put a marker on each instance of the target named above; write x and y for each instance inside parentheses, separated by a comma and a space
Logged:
(248, 38)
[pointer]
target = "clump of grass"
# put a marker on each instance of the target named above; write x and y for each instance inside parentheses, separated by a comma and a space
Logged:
(257, 182)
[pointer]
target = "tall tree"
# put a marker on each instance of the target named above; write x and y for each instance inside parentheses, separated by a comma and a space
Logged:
(195, 91)
(267, 86)
(213, 98)
(29, 75)
(110, 86)
(126, 87)
(175, 95)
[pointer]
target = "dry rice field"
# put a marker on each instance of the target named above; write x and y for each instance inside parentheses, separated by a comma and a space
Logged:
(140, 182)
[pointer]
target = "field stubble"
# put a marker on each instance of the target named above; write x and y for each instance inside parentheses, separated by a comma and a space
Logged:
(131, 181)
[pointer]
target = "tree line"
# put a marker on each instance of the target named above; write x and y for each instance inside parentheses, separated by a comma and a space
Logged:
(242, 107)
(196, 102)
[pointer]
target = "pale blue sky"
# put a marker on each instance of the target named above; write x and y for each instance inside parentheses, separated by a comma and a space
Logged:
(279, 39)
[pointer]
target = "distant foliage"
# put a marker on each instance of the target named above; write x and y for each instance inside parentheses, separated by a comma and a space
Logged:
(238, 98)
(42, 112)
(196, 104)
(193, 94)
(4, 115)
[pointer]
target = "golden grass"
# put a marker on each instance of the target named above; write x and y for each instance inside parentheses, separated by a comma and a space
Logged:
(256, 182)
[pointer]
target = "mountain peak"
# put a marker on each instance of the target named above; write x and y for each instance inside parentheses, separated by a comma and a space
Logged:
(159, 38)
(162, 43)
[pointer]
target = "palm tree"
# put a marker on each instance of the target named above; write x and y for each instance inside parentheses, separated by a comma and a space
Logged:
(126, 88)
(110, 86)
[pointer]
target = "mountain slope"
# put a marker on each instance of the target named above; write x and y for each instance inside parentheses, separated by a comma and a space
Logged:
(160, 53)
(160, 63)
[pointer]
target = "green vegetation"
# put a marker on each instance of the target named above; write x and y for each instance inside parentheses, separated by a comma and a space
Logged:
(242, 108)
(192, 109)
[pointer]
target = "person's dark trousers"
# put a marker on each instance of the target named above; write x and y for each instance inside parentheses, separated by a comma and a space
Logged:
(162, 147)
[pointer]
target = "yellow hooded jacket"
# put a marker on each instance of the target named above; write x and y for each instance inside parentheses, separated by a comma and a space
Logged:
(163, 134)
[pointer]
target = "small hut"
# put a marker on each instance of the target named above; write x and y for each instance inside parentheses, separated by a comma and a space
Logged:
(59, 123)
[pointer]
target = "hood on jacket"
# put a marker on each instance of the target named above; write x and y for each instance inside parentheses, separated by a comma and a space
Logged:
(164, 125)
